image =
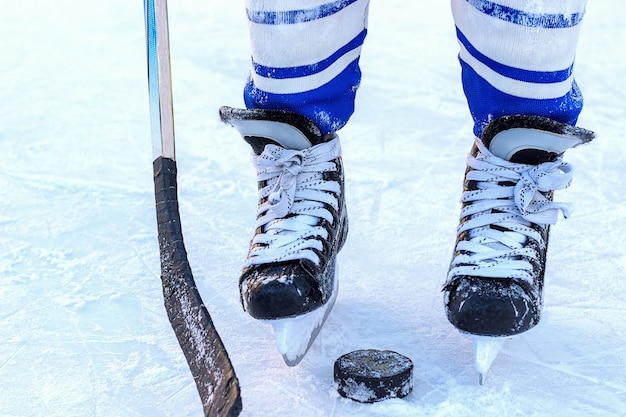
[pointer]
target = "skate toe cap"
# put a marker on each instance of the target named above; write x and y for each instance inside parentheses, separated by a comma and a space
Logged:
(490, 307)
(279, 292)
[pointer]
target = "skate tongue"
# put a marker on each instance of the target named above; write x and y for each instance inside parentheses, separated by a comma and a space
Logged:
(263, 127)
(259, 133)
(532, 139)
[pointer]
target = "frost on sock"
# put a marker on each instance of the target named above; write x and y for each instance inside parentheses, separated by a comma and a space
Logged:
(306, 60)
(517, 57)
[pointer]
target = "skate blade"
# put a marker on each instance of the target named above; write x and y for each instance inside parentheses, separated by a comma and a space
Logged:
(486, 349)
(295, 335)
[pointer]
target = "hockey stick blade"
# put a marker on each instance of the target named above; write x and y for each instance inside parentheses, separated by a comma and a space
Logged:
(203, 348)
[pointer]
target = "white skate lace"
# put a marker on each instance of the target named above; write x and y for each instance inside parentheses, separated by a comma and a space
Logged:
(509, 197)
(294, 199)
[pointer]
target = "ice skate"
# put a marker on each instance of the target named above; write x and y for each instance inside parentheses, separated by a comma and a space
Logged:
(289, 277)
(494, 288)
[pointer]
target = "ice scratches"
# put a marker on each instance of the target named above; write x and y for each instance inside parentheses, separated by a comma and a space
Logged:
(6, 220)
(53, 182)
(10, 358)
(24, 263)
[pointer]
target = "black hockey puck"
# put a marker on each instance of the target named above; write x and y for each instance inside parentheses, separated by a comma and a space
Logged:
(370, 375)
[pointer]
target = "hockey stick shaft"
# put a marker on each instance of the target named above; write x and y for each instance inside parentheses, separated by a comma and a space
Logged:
(202, 346)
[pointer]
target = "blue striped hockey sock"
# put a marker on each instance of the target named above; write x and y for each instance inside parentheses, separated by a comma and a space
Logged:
(305, 57)
(517, 57)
